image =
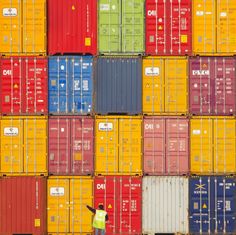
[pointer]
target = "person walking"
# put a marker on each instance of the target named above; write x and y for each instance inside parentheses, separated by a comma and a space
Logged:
(99, 220)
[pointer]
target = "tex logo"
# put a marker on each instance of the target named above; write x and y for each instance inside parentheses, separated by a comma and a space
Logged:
(200, 189)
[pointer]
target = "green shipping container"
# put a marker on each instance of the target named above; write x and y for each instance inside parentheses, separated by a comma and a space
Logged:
(121, 26)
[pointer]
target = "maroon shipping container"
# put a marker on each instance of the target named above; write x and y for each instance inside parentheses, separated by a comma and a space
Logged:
(70, 147)
(212, 85)
(122, 199)
(23, 85)
(72, 26)
(168, 27)
(23, 205)
(166, 145)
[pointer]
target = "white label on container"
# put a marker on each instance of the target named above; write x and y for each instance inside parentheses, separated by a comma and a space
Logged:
(9, 12)
(76, 86)
(11, 131)
(104, 126)
(223, 14)
(62, 67)
(57, 191)
(199, 13)
(85, 85)
(152, 71)
(104, 7)
(201, 72)
(196, 132)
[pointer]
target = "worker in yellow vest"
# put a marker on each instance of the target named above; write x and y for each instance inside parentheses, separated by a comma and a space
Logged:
(99, 220)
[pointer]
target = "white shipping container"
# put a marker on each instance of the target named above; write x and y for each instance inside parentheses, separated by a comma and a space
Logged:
(165, 204)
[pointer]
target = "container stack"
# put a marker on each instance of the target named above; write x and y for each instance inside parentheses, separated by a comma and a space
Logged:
(126, 103)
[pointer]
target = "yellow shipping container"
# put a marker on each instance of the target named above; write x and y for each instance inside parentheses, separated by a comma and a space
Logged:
(23, 27)
(118, 145)
(165, 82)
(67, 199)
(213, 141)
(23, 145)
(214, 26)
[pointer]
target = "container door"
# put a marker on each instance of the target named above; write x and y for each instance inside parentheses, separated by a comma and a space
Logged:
(59, 156)
(109, 13)
(130, 142)
(58, 199)
(81, 194)
(176, 86)
(106, 158)
(153, 86)
(12, 146)
(133, 26)
(224, 146)
(10, 26)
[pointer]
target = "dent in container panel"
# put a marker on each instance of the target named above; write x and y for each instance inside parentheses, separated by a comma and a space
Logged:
(168, 27)
(122, 199)
(72, 27)
(23, 85)
(70, 145)
(212, 85)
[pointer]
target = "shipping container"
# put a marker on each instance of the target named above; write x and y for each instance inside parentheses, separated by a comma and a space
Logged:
(168, 27)
(70, 84)
(122, 199)
(118, 145)
(165, 82)
(72, 27)
(165, 205)
(70, 145)
(23, 145)
(23, 205)
(214, 25)
(121, 26)
(67, 198)
(213, 144)
(165, 145)
(23, 85)
(212, 89)
(212, 208)
(118, 85)
(23, 27)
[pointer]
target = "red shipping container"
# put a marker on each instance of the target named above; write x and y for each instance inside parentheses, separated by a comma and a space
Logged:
(23, 85)
(70, 145)
(72, 26)
(23, 205)
(212, 85)
(122, 199)
(166, 145)
(168, 27)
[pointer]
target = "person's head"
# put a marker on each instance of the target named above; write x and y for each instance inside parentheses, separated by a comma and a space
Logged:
(101, 207)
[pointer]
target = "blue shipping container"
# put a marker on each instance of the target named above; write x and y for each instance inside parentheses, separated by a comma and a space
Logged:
(70, 84)
(212, 205)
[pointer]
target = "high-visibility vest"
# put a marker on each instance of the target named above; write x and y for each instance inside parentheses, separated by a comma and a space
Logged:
(99, 219)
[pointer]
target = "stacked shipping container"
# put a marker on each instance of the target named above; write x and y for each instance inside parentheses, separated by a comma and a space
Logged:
(95, 125)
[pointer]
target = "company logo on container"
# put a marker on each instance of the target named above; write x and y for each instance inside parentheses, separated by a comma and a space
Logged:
(6, 72)
(201, 72)
(103, 126)
(200, 189)
(152, 13)
(101, 186)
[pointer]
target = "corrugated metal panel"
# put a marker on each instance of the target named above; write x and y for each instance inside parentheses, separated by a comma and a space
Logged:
(121, 26)
(118, 145)
(122, 199)
(168, 27)
(23, 145)
(212, 85)
(70, 84)
(213, 145)
(72, 26)
(23, 205)
(165, 84)
(166, 145)
(67, 199)
(70, 145)
(23, 27)
(24, 85)
(118, 85)
(165, 205)
(212, 205)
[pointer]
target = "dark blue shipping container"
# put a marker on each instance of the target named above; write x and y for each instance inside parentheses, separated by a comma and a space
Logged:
(118, 85)
(212, 205)
(70, 84)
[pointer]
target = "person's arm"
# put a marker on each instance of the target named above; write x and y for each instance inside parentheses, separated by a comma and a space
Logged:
(91, 209)
(106, 217)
